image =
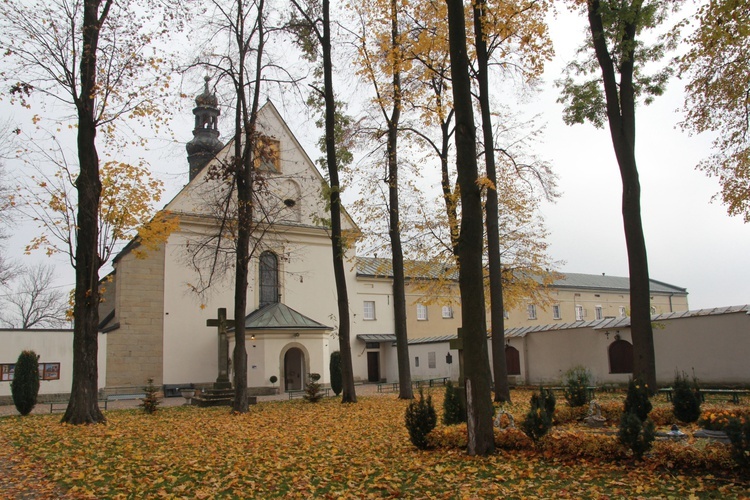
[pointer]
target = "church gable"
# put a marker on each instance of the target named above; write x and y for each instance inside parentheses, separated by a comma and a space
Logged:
(290, 189)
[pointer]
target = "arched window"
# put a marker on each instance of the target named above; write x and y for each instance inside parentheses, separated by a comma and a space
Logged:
(269, 278)
(621, 357)
(512, 360)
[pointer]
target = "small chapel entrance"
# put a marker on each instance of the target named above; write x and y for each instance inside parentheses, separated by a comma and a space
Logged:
(294, 369)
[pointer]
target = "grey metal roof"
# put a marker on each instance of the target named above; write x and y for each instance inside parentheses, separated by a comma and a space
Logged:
(280, 317)
(383, 268)
(609, 323)
(604, 282)
(376, 337)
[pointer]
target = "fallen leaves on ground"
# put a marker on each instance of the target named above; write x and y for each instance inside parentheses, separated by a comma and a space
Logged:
(300, 450)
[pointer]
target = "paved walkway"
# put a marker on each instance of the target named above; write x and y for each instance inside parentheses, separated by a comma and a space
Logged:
(42, 408)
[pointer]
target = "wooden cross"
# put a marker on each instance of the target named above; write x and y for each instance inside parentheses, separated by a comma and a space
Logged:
(222, 323)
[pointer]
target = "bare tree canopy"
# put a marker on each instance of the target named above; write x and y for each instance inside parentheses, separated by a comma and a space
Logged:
(33, 301)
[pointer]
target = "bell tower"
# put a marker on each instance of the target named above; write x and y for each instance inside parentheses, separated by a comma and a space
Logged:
(205, 143)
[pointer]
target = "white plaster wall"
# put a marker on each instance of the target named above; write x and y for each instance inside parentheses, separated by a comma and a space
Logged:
(52, 346)
(717, 347)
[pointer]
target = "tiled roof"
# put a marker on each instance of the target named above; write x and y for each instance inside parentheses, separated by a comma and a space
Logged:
(280, 317)
(383, 268)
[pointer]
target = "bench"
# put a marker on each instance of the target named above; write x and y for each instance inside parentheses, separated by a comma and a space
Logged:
(393, 386)
(295, 393)
(57, 406)
(590, 390)
(733, 393)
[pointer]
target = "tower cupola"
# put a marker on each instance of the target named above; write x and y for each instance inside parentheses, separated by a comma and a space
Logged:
(205, 143)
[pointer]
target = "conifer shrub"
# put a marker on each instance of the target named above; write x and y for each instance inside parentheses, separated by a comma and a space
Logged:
(549, 401)
(453, 413)
(420, 420)
(25, 384)
(637, 400)
(738, 431)
(577, 380)
(273, 380)
(636, 434)
(637, 431)
(686, 399)
(313, 393)
(151, 401)
(537, 422)
(337, 380)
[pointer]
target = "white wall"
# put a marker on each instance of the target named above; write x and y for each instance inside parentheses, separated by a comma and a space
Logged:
(52, 346)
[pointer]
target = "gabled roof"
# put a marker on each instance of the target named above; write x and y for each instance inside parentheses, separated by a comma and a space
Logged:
(375, 267)
(280, 317)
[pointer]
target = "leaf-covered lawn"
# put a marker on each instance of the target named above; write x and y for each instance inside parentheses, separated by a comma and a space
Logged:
(296, 449)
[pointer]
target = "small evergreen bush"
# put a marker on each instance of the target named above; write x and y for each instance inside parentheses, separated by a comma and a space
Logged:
(637, 400)
(636, 434)
(25, 384)
(548, 400)
(453, 413)
(537, 422)
(337, 380)
(420, 420)
(686, 399)
(738, 430)
(151, 401)
(313, 393)
(577, 380)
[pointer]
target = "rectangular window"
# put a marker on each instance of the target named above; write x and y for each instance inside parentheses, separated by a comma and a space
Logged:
(431, 360)
(622, 312)
(369, 310)
(447, 312)
(421, 312)
(556, 312)
(532, 311)
(580, 313)
(416, 362)
(505, 314)
(598, 312)
(267, 154)
(372, 345)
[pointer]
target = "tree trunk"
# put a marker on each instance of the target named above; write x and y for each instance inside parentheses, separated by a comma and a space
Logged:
(500, 371)
(83, 407)
(394, 223)
(338, 245)
(621, 117)
(470, 247)
(245, 123)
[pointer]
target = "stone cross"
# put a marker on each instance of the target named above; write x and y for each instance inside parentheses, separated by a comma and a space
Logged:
(458, 344)
(222, 323)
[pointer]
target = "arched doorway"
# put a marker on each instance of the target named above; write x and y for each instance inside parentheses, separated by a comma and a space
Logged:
(294, 369)
(512, 360)
(621, 357)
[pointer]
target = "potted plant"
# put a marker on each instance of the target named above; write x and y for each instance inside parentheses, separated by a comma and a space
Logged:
(273, 380)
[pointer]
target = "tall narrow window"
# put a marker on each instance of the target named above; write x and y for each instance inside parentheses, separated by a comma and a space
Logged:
(431, 360)
(369, 311)
(598, 312)
(447, 312)
(532, 311)
(622, 311)
(269, 279)
(556, 312)
(580, 313)
(421, 312)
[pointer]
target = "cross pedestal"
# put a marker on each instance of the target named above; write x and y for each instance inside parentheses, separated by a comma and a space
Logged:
(222, 323)
(458, 344)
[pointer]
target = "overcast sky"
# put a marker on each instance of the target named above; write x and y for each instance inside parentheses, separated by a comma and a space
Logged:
(691, 241)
